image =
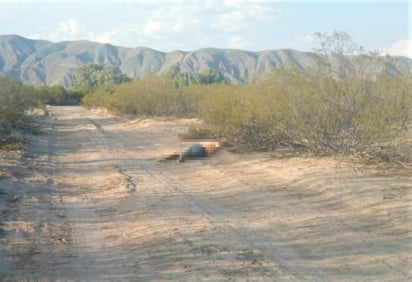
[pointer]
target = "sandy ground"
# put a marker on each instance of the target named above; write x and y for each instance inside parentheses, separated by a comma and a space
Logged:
(90, 201)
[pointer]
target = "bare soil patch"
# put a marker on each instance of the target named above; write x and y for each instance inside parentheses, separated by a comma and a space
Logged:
(90, 201)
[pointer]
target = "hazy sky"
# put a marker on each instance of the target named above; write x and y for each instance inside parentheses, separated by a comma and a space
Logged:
(189, 25)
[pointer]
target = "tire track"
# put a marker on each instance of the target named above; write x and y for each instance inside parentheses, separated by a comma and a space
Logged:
(100, 208)
(234, 227)
(348, 202)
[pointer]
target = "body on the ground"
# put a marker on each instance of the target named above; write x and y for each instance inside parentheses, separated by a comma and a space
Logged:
(199, 150)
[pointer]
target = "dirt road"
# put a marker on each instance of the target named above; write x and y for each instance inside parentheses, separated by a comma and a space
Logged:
(89, 201)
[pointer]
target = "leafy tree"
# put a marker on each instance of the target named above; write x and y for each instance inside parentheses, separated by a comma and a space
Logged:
(210, 77)
(182, 79)
(93, 76)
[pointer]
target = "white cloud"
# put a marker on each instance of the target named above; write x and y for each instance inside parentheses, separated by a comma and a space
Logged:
(176, 24)
(230, 21)
(238, 42)
(308, 38)
(126, 35)
(402, 47)
(170, 20)
(72, 27)
(239, 15)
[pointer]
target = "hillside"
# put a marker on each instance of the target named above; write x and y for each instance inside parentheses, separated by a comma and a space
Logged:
(41, 62)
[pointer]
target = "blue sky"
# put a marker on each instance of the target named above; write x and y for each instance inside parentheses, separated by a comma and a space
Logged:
(188, 25)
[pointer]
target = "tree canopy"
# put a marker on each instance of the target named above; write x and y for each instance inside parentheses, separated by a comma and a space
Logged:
(94, 76)
(181, 78)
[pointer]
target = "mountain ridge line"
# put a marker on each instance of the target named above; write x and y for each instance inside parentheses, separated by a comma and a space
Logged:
(43, 62)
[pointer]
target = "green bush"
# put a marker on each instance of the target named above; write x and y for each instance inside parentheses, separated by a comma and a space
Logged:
(58, 95)
(149, 96)
(15, 100)
(329, 110)
(312, 110)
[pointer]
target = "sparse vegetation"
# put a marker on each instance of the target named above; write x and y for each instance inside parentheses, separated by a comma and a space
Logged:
(319, 114)
(315, 113)
(58, 95)
(327, 111)
(151, 96)
(355, 110)
(18, 100)
(15, 100)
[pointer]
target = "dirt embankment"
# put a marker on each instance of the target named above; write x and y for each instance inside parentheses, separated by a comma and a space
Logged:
(89, 201)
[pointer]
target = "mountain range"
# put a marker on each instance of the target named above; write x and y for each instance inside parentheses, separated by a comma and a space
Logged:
(41, 62)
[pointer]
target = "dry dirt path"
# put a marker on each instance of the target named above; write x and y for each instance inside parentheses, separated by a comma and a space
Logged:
(89, 201)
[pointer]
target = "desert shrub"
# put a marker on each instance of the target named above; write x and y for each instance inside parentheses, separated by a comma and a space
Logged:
(10, 143)
(15, 99)
(343, 115)
(310, 110)
(343, 107)
(220, 107)
(149, 96)
(236, 113)
(58, 95)
(99, 98)
(197, 131)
